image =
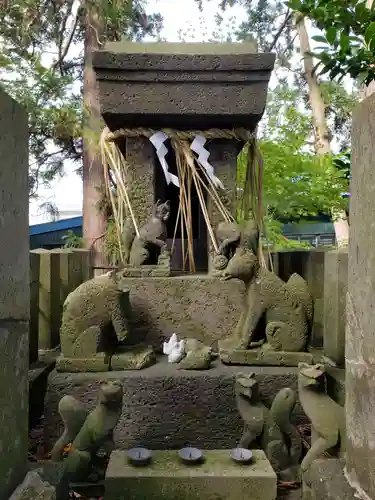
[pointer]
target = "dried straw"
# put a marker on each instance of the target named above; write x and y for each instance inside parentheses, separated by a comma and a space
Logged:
(189, 175)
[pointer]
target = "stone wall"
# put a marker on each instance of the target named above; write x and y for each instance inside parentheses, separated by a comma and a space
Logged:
(14, 294)
(360, 337)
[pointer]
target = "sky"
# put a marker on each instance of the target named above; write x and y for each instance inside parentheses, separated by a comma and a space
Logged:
(66, 193)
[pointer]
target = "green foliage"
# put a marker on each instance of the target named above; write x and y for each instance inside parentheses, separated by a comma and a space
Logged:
(72, 240)
(348, 44)
(275, 239)
(296, 182)
(41, 67)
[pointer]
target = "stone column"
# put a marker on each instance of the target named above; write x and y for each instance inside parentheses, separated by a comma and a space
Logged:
(14, 294)
(360, 330)
(223, 156)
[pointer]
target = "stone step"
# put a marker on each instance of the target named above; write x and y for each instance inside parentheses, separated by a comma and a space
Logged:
(167, 408)
(166, 478)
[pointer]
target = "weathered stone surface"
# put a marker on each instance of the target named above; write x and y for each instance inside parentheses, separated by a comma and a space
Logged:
(14, 294)
(38, 377)
(14, 186)
(336, 384)
(360, 339)
(13, 404)
(310, 265)
(34, 488)
(335, 287)
(53, 473)
(327, 481)
(168, 479)
(215, 85)
(199, 307)
(164, 407)
(257, 357)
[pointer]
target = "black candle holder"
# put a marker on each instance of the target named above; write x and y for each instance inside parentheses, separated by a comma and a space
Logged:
(241, 456)
(139, 456)
(191, 456)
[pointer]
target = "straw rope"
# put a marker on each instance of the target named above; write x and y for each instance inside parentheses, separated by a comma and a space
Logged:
(213, 133)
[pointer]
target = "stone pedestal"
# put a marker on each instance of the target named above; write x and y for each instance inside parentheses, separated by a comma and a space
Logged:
(168, 408)
(166, 478)
(14, 294)
(335, 287)
(360, 337)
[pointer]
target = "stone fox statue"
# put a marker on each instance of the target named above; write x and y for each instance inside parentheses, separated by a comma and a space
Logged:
(326, 416)
(287, 308)
(271, 429)
(95, 317)
(146, 248)
(88, 432)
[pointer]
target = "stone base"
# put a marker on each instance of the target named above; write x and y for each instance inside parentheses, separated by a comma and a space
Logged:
(135, 359)
(169, 479)
(258, 357)
(38, 377)
(33, 487)
(53, 473)
(168, 408)
(193, 306)
(336, 384)
(327, 481)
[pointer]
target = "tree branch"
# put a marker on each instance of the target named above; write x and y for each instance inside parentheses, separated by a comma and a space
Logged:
(288, 17)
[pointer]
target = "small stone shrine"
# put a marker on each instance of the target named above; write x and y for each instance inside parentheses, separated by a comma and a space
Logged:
(192, 296)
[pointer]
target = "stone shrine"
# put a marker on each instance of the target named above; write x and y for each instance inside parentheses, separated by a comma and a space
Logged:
(173, 338)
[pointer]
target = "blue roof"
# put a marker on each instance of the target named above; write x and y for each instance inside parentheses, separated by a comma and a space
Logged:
(59, 225)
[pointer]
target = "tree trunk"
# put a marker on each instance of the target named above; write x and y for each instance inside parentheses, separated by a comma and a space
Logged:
(370, 89)
(94, 223)
(322, 135)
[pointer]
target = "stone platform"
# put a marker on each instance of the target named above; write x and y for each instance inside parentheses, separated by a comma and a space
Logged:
(166, 478)
(195, 306)
(167, 408)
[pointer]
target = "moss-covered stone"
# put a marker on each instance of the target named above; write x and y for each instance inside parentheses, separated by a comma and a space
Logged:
(168, 479)
(95, 323)
(285, 307)
(88, 434)
(263, 357)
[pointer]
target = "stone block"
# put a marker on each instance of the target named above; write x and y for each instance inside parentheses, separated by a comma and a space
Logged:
(86, 266)
(34, 307)
(257, 357)
(310, 265)
(38, 377)
(336, 384)
(14, 227)
(49, 311)
(166, 478)
(136, 358)
(215, 85)
(34, 488)
(336, 281)
(360, 339)
(53, 474)
(199, 307)
(168, 408)
(327, 481)
(14, 340)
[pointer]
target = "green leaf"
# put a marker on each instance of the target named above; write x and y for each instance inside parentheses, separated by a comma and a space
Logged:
(319, 38)
(370, 33)
(331, 35)
(344, 42)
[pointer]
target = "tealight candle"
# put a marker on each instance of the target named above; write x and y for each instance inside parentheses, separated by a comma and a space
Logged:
(191, 456)
(139, 456)
(241, 455)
